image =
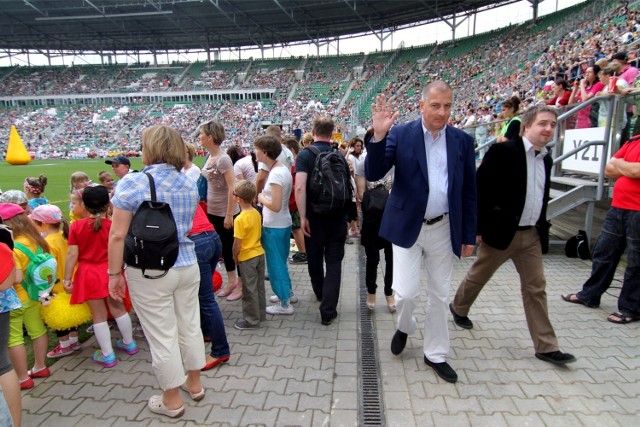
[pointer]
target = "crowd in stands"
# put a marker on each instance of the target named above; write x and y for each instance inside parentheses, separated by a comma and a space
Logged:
(519, 60)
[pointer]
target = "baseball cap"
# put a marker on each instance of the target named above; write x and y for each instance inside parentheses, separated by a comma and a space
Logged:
(123, 160)
(622, 56)
(13, 196)
(9, 210)
(48, 214)
(95, 197)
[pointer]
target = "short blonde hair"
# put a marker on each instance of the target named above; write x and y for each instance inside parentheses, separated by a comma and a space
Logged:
(162, 144)
(214, 129)
(246, 190)
(307, 139)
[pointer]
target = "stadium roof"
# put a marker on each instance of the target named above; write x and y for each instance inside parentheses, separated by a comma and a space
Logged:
(148, 25)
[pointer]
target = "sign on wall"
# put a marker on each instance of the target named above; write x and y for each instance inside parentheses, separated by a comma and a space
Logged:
(587, 160)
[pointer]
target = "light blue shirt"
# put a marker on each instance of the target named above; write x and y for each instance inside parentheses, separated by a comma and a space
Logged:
(536, 177)
(438, 172)
(172, 187)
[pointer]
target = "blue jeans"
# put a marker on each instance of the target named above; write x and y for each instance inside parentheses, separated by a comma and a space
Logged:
(276, 245)
(208, 249)
(620, 230)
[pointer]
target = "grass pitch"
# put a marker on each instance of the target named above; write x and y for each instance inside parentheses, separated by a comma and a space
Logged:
(58, 174)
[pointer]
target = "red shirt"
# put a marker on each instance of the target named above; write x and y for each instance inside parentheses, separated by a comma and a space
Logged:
(6, 261)
(626, 191)
(564, 100)
(200, 222)
(92, 245)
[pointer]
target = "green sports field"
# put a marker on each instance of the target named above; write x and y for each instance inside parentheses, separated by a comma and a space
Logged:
(57, 173)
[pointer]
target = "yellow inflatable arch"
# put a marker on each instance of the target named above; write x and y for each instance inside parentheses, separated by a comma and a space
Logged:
(17, 154)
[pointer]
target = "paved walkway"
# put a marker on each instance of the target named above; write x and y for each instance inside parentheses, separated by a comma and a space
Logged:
(296, 372)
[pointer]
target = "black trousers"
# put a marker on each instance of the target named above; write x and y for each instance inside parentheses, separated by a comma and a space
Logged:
(326, 247)
(371, 268)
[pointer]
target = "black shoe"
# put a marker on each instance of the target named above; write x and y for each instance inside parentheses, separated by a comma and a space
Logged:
(398, 342)
(443, 370)
(556, 357)
(462, 321)
(327, 322)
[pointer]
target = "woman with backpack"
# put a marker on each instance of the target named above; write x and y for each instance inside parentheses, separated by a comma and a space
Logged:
(25, 233)
(166, 304)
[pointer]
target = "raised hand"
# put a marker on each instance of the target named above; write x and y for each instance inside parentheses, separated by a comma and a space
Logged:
(383, 116)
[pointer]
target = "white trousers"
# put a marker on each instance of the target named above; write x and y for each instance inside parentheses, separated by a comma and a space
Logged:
(434, 247)
(169, 312)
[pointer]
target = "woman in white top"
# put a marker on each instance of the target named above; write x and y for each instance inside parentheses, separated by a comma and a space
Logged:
(244, 166)
(191, 169)
(276, 221)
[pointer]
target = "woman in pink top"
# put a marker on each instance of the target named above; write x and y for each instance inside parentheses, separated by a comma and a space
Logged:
(584, 90)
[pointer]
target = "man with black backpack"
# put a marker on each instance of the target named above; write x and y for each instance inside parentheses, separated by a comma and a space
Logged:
(323, 193)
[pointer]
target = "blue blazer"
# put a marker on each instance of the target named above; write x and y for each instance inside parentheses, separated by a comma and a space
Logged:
(403, 147)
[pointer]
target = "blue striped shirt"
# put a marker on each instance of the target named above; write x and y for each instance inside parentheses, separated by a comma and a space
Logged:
(171, 187)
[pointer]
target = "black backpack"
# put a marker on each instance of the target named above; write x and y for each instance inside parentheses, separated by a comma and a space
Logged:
(330, 183)
(152, 240)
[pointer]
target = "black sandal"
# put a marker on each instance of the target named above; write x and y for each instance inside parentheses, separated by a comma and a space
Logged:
(568, 298)
(621, 319)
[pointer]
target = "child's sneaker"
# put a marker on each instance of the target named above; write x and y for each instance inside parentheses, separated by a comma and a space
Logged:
(60, 351)
(76, 346)
(279, 309)
(108, 361)
(293, 299)
(27, 384)
(131, 348)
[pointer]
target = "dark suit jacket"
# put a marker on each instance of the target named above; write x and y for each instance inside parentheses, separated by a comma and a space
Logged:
(404, 148)
(502, 189)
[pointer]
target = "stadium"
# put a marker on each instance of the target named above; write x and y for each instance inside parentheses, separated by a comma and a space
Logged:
(94, 109)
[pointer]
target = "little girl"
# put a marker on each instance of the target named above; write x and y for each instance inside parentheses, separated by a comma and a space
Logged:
(33, 188)
(25, 232)
(106, 179)
(79, 180)
(88, 242)
(59, 315)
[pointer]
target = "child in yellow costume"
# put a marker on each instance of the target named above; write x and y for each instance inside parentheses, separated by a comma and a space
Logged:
(59, 315)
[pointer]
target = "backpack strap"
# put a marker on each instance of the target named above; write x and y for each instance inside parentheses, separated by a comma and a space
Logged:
(152, 186)
(314, 150)
(25, 250)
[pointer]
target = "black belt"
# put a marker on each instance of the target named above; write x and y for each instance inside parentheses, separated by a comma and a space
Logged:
(431, 221)
(524, 227)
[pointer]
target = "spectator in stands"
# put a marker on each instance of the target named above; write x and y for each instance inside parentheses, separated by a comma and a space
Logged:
(120, 165)
(628, 73)
(511, 128)
(428, 216)
(583, 90)
(620, 230)
(469, 123)
(561, 93)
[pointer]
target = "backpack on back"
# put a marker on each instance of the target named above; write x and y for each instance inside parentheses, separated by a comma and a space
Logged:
(40, 275)
(152, 240)
(330, 183)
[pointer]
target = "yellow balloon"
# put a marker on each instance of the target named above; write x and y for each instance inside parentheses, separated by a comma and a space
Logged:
(17, 154)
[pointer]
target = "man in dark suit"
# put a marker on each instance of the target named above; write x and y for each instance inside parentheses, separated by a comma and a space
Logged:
(513, 192)
(430, 213)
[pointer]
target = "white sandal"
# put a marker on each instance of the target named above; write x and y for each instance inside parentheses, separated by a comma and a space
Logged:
(156, 405)
(194, 396)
